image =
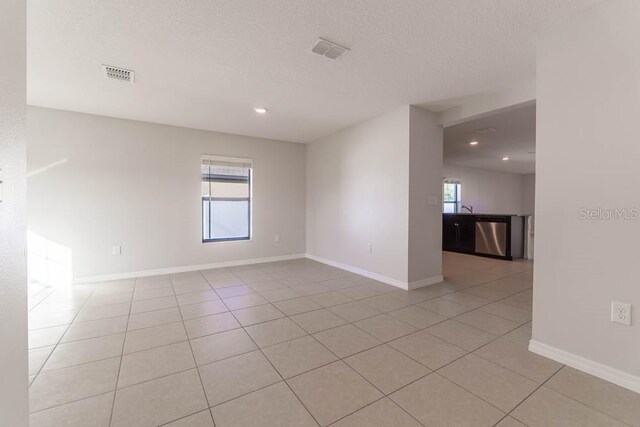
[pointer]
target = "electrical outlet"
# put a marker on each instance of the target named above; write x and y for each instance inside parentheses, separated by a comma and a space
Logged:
(621, 313)
(116, 250)
(276, 238)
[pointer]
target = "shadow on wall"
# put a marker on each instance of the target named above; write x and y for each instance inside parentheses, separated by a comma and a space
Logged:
(49, 263)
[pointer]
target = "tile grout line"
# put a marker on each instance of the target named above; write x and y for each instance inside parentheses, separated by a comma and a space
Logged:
(385, 343)
(373, 403)
(508, 414)
(340, 359)
(62, 336)
(330, 290)
(266, 321)
(52, 290)
(452, 361)
(275, 370)
(124, 341)
(195, 363)
(215, 314)
(385, 395)
(73, 401)
(570, 397)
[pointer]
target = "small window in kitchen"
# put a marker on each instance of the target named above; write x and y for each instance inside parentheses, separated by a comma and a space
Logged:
(452, 195)
(226, 198)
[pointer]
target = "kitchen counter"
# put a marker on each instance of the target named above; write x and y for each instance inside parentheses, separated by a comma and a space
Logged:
(481, 214)
(490, 235)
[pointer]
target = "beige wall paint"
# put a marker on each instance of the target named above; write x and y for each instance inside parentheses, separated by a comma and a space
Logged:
(358, 193)
(489, 191)
(529, 193)
(13, 281)
(97, 181)
(529, 208)
(476, 106)
(369, 184)
(425, 180)
(587, 143)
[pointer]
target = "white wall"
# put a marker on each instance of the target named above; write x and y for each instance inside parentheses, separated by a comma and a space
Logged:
(529, 208)
(358, 193)
(425, 181)
(13, 281)
(529, 193)
(370, 184)
(97, 181)
(587, 157)
(489, 191)
(486, 104)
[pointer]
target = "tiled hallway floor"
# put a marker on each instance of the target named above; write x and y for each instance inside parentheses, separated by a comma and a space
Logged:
(298, 343)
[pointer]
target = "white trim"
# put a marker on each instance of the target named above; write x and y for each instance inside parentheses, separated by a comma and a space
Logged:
(375, 276)
(184, 269)
(615, 376)
(379, 277)
(172, 270)
(425, 282)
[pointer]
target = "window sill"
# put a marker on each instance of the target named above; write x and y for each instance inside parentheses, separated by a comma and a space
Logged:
(235, 239)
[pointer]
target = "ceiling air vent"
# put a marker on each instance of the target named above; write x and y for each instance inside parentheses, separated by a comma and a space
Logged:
(116, 73)
(487, 130)
(329, 49)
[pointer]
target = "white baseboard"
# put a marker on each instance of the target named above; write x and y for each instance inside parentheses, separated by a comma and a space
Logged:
(184, 269)
(615, 376)
(379, 277)
(425, 282)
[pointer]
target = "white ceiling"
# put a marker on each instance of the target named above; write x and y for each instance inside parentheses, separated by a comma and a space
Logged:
(514, 137)
(205, 63)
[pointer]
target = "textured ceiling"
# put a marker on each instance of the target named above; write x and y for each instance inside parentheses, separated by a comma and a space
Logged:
(205, 63)
(514, 137)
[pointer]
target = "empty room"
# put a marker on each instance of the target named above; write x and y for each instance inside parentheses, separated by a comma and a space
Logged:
(235, 213)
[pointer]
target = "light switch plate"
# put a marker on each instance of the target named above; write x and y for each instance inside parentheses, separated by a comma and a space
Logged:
(116, 250)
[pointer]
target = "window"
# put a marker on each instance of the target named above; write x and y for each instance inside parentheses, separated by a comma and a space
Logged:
(452, 195)
(226, 199)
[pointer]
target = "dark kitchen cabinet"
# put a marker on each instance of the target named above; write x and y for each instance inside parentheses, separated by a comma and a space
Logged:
(494, 236)
(449, 233)
(467, 235)
(458, 233)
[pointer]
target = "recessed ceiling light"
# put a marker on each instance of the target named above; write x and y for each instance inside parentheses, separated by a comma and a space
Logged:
(473, 143)
(505, 158)
(260, 110)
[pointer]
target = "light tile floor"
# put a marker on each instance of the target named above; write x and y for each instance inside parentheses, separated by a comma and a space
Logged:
(299, 343)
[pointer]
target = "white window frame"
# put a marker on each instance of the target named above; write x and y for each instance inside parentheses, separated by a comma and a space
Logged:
(231, 160)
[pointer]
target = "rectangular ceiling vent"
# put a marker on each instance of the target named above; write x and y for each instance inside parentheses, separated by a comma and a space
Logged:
(487, 130)
(117, 73)
(329, 49)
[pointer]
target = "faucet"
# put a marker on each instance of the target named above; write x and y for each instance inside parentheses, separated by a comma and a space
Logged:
(469, 208)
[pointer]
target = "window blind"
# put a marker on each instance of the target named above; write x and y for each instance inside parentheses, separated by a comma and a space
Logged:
(226, 198)
(225, 168)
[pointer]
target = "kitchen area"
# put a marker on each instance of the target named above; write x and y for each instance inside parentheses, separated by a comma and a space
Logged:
(496, 236)
(489, 185)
